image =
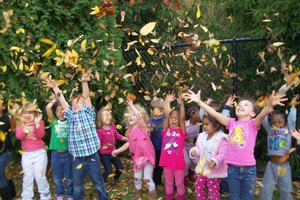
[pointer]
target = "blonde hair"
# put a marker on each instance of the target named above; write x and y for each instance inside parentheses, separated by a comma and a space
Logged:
(99, 120)
(141, 109)
(157, 103)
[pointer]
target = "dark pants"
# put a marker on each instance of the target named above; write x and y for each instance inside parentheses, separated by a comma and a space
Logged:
(107, 160)
(89, 165)
(157, 172)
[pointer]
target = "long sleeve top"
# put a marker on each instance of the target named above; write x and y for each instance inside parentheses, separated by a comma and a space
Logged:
(31, 141)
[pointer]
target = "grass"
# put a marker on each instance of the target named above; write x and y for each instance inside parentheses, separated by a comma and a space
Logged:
(122, 191)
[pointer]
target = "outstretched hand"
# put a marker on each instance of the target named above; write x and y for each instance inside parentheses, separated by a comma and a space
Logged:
(230, 101)
(86, 75)
(170, 97)
(296, 134)
(49, 83)
(276, 99)
(193, 97)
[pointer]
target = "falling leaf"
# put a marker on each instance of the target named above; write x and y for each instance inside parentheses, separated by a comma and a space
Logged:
(148, 28)
(147, 98)
(204, 28)
(2, 136)
(46, 41)
(198, 13)
(164, 84)
(267, 20)
(214, 87)
(293, 58)
(20, 152)
(131, 96)
(118, 126)
(79, 166)
(277, 44)
(111, 175)
(83, 45)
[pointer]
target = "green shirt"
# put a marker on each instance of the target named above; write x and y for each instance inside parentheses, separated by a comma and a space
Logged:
(59, 134)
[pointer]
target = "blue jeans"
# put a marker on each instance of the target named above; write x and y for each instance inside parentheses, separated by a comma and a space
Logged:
(4, 160)
(107, 160)
(89, 165)
(241, 182)
(61, 164)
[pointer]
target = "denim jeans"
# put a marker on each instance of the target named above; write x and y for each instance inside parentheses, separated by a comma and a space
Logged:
(107, 160)
(61, 164)
(89, 165)
(241, 181)
(4, 160)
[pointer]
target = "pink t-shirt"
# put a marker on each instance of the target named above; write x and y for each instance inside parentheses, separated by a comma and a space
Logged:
(172, 149)
(141, 148)
(242, 137)
(31, 141)
(107, 139)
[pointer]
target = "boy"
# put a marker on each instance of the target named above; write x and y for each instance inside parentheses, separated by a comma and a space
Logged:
(83, 139)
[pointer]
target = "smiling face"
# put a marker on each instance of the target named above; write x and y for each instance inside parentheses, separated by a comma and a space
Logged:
(77, 104)
(174, 119)
(28, 116)
(245, 110)
(59, 112)
(132, 118)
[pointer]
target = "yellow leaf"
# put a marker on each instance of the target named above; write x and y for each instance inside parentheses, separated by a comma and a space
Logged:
(83, 45)
(60, 82)
(3, 68)
(150, 51)
(204, 28)
(2, 136)
(59, 60)
(164, 84)
(79, 166)
(93, 45)
(61, 140)
(20, 152)
(213, 86)
(198, 13)
(155, 40)
(14, 48)
(49, 51)
(111, 175)
(20, 30)
(118, 126)
(148, 28)
(46, 41)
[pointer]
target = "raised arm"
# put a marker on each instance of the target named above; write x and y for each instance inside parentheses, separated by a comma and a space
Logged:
(49, 112)
(182, 113)
(196, 98)
(167, 109)
(51, 84)
(292, 117)
(271, 101)
(85, 87)
(139, 115)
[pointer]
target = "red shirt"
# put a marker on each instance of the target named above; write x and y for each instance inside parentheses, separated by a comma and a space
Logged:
(107, 139)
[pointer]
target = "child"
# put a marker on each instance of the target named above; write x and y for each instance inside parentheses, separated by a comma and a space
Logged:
(192, 132)
(141, 149)
(172, 156)
(61, 159)
(107, 134)
(156, 123)
(211, 147)
(278, 129)
(83, 141)
(242, 136)
(7, 189)
(30, 131)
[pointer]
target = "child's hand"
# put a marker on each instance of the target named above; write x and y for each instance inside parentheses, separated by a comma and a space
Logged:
(275, 99)
(296, 135)
(193, 97)
(37, 119)
(211, 164)
(209, 101)
(170, 97)
(230, 101)
(129, 102)
(115, 152)
(49, 83)
(193, 153)
(86, 75)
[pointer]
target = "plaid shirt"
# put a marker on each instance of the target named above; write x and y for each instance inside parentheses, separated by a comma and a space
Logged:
(83, 139)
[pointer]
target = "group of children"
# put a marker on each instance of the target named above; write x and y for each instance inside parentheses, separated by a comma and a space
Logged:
(162, 146)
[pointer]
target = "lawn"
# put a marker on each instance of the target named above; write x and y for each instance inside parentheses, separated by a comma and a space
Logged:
(123, 191)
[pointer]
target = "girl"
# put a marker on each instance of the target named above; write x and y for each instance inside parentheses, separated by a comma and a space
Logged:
(7, 189)
(192, 132)
(141, 149)
(107, 134)
(278, 126)
(61, 159)
(211, 147)
(34, 157)
(172, 157)
(242, 136)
